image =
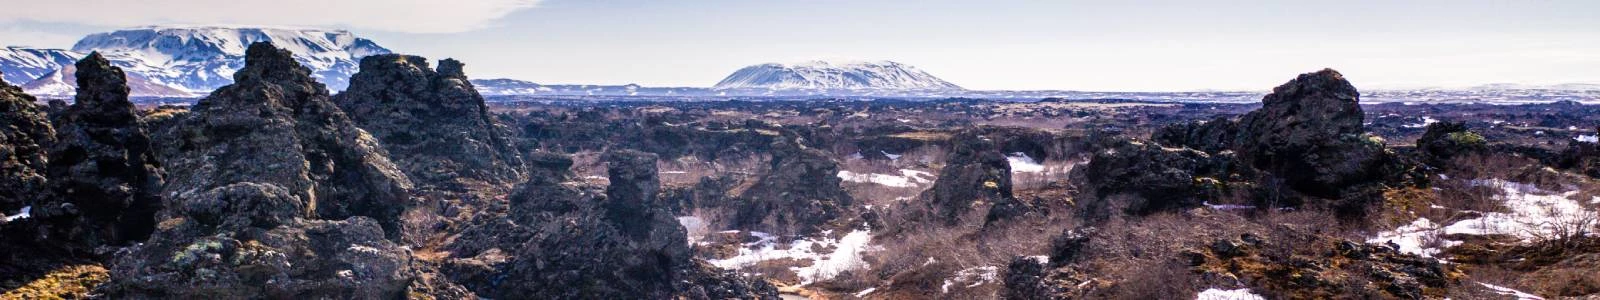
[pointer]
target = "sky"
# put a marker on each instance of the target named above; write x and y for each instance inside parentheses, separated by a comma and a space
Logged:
(984, 45)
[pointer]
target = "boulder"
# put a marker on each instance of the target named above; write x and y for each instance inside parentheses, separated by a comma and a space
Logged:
(1445, 140)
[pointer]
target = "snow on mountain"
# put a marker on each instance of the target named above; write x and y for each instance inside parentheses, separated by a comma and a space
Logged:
(202, 58)
(63, 83)
(1517, 86)
(824, 75)
(21, 65)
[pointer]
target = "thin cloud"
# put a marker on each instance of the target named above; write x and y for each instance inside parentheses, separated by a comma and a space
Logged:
(411, 16)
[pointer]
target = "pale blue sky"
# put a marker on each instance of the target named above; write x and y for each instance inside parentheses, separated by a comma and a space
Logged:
(1006, 44)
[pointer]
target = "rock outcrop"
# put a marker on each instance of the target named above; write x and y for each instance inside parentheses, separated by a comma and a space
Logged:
(275, 195)
(1307, 137)
(105, 179)
(565, 240)
(976, 174)
(1157, 178)
(798, 194)
(1446, 140)
(1582, 157)
(433, 123)
(25, 132)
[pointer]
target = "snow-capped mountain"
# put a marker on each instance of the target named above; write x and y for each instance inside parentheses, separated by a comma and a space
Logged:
(201, 59)
(21, 65)
(63, 83)
(824, 75)
(190, 60)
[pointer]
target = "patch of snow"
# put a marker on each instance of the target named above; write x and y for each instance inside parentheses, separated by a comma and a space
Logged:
(863, 293)
(25, 213)
(1414, 238)
(1218, 294)
(1021, 163)
(891, 156)
(1505, 291)
(847, 254)
(694, 227)
(1228, 206)
(907, 178)
(1589, 138)
(1534, 213)
(1426, 120)
(1042, 259)
(974, 277)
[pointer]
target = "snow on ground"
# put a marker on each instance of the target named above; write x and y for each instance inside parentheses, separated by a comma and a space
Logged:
(1587, 139)
(694, 227)
(1218, 294)
(1228, 206)
(847, 254)
(1426, 120)
(1533, 213)
(1505, 291)
(1021, 163)
(907, 178)
(1415, 238)
(25, 213)
(863, 293)
(973, 277)
(891, 156)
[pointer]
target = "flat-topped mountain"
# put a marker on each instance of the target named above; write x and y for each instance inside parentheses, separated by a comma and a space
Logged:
(825, 75)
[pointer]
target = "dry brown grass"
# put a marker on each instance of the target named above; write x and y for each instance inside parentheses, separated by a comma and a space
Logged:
(70, 282)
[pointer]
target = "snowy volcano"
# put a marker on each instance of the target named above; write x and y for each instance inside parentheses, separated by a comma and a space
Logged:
(187, 61)
(21, 65)
(201, 59)
(825, 75)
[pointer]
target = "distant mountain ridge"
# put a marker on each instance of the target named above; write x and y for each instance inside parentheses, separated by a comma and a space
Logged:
(828, 75)
(193, 60)
(21, 65)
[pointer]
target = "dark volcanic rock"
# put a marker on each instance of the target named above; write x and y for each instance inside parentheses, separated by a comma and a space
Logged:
(102, 168)
(1582, 157)
(25, 131)
(566, 240)
(1308, 131)
(433, 123)
(1159, 178)
(274, 195)
(1025, 280)
(798, 194)
(276, 125)
(1445, 140)
(1307, 137)
(976, 174)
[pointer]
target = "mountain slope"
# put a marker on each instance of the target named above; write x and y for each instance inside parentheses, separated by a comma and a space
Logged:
(62, 83)
(883, 75)
(21, 65)
(200, 59)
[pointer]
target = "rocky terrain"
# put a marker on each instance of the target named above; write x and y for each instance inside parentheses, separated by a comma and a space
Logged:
(411, 183)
